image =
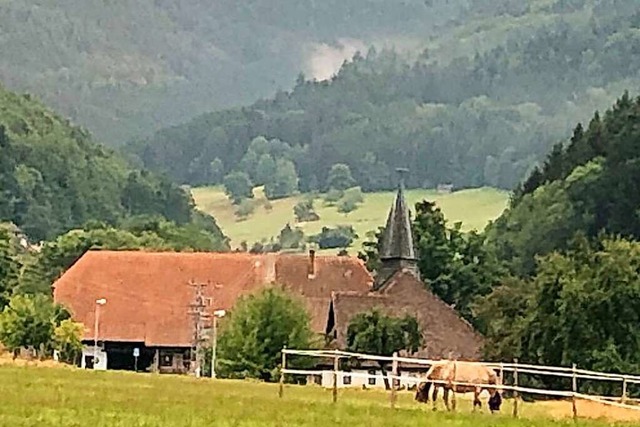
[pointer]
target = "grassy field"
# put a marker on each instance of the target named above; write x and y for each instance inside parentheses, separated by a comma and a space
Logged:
(64, 397)
(475, 208)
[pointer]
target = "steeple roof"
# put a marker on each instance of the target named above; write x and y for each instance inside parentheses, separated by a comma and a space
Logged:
(397, 241)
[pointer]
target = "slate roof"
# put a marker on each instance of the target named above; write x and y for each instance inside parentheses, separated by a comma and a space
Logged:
(397, 240)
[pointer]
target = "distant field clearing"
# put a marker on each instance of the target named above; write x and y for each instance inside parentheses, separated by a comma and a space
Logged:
(475, 208)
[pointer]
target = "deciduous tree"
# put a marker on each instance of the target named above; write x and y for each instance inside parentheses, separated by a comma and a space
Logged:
(255, 333)
(30, 321)
(375, 333)
(238, 186)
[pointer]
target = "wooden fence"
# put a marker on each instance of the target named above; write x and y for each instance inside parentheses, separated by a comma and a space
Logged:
(518, 370)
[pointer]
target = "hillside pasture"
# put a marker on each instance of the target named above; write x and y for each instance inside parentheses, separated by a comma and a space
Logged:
(65, 397)
(474, 208)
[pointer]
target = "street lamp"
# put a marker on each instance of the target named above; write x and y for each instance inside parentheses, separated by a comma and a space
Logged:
(99, 302)
(216, 315)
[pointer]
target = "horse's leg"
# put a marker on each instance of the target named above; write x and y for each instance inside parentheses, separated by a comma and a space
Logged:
(435, 395)
(446, 398)
(476, 398)
(453, 399)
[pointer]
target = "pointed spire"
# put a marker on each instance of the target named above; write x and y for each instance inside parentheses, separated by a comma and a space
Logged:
(397, 250)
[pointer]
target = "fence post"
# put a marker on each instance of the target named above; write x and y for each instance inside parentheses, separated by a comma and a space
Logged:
(394, 374)
(335, 378)
(282, 369)
(515, 390)
(574, 388)
(624, 390)
(453, 387)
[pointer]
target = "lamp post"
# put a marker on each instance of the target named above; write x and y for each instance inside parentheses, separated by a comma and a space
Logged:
(99, 302)
(216, 315)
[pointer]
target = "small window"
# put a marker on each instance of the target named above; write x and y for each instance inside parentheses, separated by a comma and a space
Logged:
(166, 360)
(346, 380)
(372, 379)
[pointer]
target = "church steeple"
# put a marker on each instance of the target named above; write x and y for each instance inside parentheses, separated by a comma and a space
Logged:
(396, 250)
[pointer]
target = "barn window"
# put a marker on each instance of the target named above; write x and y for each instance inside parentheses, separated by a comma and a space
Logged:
(372, 379)
(166, 360)
(346, 380)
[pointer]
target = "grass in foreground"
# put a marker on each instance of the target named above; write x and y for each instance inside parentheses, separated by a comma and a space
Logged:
(68, 397)
(475, 208)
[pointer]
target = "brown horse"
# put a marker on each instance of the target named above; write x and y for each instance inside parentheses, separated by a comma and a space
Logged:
(449, 372)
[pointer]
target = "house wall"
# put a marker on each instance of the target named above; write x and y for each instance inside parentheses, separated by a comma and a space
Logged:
(359, 378)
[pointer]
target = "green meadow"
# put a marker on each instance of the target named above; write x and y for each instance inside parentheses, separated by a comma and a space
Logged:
(65, 397)
(474, 208)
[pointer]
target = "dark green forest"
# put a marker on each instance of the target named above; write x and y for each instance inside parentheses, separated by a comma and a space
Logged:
(472, 120)
(54, 177)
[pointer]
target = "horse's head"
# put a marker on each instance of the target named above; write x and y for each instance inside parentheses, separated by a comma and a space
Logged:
(422, 392)
(495, 401)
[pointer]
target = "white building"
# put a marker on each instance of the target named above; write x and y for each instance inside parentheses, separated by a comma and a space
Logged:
(360, 378)
(88, 355)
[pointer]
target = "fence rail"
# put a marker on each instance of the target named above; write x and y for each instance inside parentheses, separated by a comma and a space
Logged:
(518, 369)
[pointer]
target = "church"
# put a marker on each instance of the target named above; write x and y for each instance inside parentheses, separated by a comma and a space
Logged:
(398, 290)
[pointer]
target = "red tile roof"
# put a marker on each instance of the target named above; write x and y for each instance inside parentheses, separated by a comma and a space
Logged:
(148, 293)
(445, 333)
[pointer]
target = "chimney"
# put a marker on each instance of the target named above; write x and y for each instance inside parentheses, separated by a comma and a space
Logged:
(312, 264)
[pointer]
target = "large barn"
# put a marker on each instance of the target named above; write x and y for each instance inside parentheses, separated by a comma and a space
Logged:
(148, 298)
(144, 304)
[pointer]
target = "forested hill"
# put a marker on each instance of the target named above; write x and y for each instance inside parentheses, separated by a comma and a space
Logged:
(128, 67)
(53, 177)
(587, 186)
(482, 119)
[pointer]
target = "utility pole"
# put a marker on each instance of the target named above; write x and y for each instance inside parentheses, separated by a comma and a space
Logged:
(196, 310)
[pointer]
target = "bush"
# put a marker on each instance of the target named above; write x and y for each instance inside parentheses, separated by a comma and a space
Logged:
(68, 340)
(245, 209)
(353, 194)
(332, 197)
(340, 237)
(304, 211)
(291, 238)
(346, 206)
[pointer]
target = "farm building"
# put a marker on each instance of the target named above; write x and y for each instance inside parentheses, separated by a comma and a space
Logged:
(148, 298)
